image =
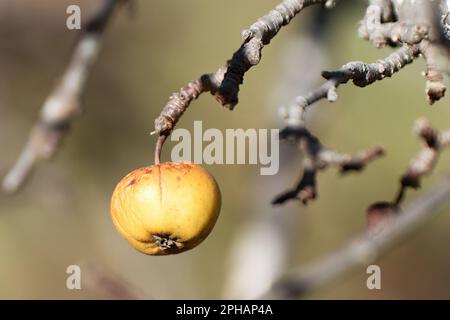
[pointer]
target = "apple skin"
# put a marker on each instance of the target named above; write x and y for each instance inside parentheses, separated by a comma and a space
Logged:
(166, 208)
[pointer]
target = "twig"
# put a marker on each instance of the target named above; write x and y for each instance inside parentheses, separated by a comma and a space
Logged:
(224, 83)
(434, 143)
(362, 74)
(316, 157)
(422, 164)
(63, 104)
(363, 249)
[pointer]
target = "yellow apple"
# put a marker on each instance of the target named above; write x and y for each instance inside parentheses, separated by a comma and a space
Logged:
(167, 208)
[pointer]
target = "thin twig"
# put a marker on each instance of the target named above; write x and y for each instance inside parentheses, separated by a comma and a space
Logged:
(362, 74)
(315, 158)
(434, 143)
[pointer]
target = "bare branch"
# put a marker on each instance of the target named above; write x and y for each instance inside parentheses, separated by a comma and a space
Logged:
(434, 143)
(387, 223)
(317, 157)
(362, 74)
(224, 83)
(63, 104)
(363, 249)
(415, 23)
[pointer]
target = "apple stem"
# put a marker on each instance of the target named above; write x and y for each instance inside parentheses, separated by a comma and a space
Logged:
(159, 144)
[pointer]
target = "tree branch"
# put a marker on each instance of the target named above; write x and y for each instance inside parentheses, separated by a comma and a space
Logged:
(434, 143)
(387, 223)
(363, 249)
(224, 83)
(63, 104)
(316, 158)
(415, 22)
(362, 74)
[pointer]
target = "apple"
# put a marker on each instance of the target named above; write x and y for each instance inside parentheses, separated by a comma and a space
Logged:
(166, 208)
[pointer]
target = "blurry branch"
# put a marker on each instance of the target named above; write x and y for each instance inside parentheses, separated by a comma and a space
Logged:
(316, 157)
(99, 280)
(434, 143)
(63, 104)
(435, 86)
(224, 83)
(422, 164)
(386, 223)
(363, 249)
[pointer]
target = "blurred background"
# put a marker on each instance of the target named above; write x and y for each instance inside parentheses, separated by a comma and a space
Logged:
(61, 217)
